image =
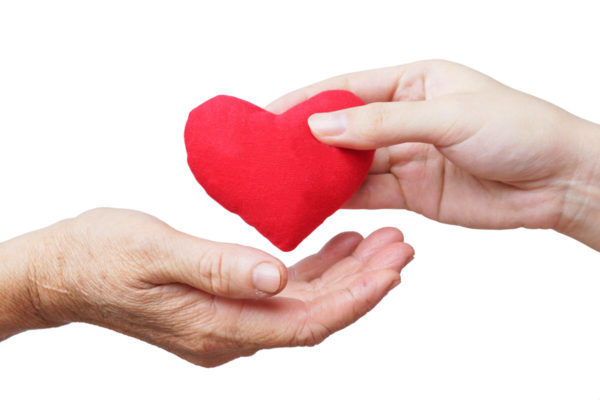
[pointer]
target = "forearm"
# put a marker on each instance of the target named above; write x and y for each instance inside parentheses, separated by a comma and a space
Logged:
(24, 263)
(14, 298)
(581, 208)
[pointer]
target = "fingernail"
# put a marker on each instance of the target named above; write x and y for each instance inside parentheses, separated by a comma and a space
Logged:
(327, 124)
(266, 278)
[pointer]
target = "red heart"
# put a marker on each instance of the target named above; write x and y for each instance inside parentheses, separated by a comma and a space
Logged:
(269, 169)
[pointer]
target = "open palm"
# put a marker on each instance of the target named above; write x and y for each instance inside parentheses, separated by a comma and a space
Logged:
(325, 293)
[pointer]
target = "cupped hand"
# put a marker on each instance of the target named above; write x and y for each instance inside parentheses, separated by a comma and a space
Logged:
(461, 148)
(202, 300)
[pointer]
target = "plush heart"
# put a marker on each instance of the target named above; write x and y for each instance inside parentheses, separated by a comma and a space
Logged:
(269, 169)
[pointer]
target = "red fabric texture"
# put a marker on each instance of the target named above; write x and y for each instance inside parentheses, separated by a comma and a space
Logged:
(269, 169)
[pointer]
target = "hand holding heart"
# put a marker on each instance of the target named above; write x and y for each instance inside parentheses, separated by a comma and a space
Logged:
(461, 148)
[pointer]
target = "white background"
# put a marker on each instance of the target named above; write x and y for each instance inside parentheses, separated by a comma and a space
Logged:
(93, 100)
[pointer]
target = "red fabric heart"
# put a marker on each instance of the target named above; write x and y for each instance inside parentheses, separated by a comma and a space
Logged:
(269, 169)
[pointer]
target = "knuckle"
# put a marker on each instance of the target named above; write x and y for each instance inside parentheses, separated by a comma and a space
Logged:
(94, 212)
(378, 116)
(377, 119)
(345, 82)
(214, 272)
(439, 64)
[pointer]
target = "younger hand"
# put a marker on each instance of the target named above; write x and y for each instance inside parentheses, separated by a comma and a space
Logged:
(461, 148)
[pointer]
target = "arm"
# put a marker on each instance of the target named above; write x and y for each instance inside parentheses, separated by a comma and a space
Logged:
(204, 301)
(580, 215)
(461, 148)
(19, 299)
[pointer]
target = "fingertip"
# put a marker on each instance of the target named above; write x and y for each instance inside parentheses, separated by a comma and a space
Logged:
(275, 107)
(390, 233)
(269, 278)
(344, 240)
(376, 241)
(247, 272)
(285, 102)
(327, 125)
(394, 256)
(411, 250)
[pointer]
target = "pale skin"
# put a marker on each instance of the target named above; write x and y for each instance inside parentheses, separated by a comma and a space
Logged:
(461, 148)
(452, 144)
(201, 300)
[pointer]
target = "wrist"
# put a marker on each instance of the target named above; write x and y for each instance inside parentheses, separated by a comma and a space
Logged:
(31, 288)
(580, 216)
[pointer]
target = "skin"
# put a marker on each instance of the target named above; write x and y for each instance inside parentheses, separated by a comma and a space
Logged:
(452, 144)
(128, 271)
(461, 148)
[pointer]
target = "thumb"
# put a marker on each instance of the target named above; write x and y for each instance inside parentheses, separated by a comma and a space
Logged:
(384, 124)
(221, 269)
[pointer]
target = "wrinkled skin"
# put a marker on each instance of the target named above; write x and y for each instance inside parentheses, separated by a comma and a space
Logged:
(132, 273)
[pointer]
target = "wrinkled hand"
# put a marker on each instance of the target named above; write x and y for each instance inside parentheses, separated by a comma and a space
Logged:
(461, 148)
(201, 300)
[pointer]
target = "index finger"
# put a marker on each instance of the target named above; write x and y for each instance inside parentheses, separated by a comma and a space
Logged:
(419, 80)
(371, 86)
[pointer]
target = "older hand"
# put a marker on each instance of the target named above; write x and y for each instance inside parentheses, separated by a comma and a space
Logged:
(461, 148)
(206, 302)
